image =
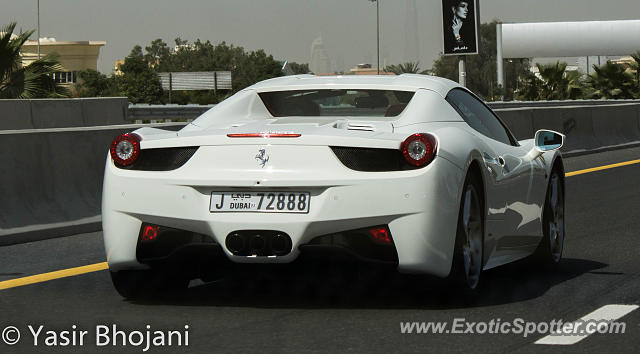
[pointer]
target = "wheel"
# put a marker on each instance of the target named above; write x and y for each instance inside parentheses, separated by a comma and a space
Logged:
(147, 284)
(468, 252)
(549, 251)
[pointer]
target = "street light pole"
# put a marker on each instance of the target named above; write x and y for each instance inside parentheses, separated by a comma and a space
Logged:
(38, 5)
(377, 33)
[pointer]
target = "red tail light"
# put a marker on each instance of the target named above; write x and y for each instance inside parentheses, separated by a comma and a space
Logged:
(125, 149)
(419, 149)
(380, 234)
(150, 232)
(264, 135)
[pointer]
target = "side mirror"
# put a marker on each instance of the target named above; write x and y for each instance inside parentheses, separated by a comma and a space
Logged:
(545, 140)
(548, 140)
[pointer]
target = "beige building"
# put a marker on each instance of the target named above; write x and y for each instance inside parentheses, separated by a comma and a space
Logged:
(74, 56)
(367, 69)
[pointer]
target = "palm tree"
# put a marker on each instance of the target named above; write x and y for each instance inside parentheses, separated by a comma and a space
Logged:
(32, 81)
(406, 68)
(554, 83)
(635, 68)
(611, 81)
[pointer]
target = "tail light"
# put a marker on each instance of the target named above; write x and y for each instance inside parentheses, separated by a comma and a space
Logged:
(125, 149)
(419, 149)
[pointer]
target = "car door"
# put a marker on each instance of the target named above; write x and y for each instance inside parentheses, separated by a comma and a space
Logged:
(513, 214)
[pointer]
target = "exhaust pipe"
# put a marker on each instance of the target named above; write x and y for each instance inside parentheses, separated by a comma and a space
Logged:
(257, 244)
(261, 243)
(280, 244)
(235, 243)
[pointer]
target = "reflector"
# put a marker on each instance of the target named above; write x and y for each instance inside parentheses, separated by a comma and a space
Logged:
(264, 135)
(380, 234)
(149, 232)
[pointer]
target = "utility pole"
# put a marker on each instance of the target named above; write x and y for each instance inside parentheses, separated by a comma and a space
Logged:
(38, 10)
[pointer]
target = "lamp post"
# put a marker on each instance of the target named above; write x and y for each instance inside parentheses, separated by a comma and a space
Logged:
(377, 34)
(38, 26)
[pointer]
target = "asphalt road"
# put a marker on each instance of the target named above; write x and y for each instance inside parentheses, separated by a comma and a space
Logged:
(345, 314)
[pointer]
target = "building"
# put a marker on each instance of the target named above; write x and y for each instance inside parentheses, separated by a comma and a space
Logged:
(367, 69)
(320, 62)
(74, 56)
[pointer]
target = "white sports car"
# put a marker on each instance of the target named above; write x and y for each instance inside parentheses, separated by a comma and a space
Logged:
(411, 171)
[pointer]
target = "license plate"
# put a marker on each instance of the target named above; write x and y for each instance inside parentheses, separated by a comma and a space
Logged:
(265, 202)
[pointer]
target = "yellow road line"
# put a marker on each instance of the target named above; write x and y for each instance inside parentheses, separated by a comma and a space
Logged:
(600, 168)
(39, 278)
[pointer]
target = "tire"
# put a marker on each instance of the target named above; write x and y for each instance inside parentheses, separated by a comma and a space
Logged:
(147, 284)
(469, 244)
(549, 251)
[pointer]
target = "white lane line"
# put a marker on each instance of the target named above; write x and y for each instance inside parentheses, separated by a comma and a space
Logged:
(605, 313)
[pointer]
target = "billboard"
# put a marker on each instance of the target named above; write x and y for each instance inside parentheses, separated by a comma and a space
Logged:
(570, 39)
(460, 22)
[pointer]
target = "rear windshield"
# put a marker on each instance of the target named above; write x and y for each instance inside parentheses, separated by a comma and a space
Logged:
(332, 103)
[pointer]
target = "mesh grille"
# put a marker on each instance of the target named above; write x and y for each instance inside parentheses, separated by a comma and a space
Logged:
(371, 160)
(164, 159)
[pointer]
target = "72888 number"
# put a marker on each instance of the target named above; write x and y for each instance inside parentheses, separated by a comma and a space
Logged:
(281, 201)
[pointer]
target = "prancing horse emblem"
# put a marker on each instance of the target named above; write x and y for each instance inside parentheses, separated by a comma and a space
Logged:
(262, 157)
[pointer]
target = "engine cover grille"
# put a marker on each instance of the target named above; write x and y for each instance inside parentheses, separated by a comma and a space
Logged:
(371, 159)
(163, 159)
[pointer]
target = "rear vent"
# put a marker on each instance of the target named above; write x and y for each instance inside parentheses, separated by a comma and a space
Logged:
(164, 159)
(361, 127)
(371, 160)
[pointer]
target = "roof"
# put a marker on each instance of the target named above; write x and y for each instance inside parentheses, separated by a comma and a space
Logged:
(406, 82)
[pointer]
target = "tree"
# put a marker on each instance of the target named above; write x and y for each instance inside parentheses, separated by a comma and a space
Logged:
(138, 81)
(554, 83)
(635, 69)
(299, 68)
(406, 68)
(95, 84)
(32, 81)
(481, 68)
(246, 68)
(612, 81)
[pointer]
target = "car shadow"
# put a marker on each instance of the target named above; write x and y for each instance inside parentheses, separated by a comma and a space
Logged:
(515, 282)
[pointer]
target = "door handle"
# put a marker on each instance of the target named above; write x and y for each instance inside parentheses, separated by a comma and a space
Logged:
(501, 161)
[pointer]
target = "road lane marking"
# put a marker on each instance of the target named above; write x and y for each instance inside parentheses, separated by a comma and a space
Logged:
(39, 278)
(605, 313)
(600, 168)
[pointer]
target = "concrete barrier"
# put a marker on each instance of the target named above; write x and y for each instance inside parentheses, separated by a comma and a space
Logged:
(589, 127)
(52, 180)
(62, 113)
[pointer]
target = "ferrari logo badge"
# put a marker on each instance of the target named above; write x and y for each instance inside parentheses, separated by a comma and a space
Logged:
(262, 157)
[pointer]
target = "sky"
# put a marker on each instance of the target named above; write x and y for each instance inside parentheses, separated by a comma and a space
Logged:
(283, 28)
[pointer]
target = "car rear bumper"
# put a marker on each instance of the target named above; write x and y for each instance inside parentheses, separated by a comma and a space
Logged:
(420, 207)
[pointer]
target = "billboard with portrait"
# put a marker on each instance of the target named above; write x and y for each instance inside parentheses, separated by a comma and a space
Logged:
(460, 26)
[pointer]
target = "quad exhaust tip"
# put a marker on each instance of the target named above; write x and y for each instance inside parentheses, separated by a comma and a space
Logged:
(260, 243)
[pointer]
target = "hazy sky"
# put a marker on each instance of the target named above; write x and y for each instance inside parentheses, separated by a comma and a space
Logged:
(283, 28)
